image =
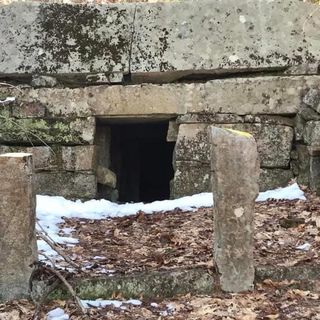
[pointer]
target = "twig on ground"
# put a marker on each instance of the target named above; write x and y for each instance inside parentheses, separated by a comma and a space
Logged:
(66, 283)
(10, 85)
(45, 237)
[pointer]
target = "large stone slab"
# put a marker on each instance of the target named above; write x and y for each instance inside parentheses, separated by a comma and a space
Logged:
(235, 174)
(71, 185)
(274, 142)
(223, 35)
(63, 38)
(258, 95)
(17, 228)
(135, 100)
(203, 102)
(41, 131)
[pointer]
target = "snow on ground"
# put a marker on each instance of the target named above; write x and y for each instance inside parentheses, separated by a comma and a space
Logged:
(51, 210)
(59, 314)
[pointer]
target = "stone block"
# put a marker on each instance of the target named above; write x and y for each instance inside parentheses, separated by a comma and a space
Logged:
(311, 133)
(71, 185)
(274, 142)
(190, 178)
(235, 174)
(51, 131)
(103, 145)
(222, 36)
(17, 228)
(274, 178)
(50, 38)
(44, 157)
(312, 99)
(258, 95)
(78, 158)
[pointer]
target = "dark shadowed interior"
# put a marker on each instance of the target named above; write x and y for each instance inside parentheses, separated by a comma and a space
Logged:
(142, 160)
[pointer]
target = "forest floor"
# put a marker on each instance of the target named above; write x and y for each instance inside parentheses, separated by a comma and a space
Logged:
(286, 234)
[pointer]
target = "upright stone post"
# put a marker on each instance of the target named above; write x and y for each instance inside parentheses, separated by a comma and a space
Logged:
(235, 173)
(18, 249)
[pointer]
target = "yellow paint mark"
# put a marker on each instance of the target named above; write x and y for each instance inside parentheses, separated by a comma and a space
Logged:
(241, 133)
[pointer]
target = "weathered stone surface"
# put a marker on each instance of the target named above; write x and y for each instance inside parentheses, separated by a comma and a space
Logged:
(274, 178)
(172, 132)
(190, 178)
(71, 185)
(224, 35)
(303, 164)
(106, 177)
(40, 131)
(44, 157)
(78, 158)
(314, 182)
(105, 100)
(311, 133)
(274, 142)
(210, 118)
(259, 95)
(63, 38)
(312, 99)
(250, 96)
(17, 227)
(235, 174)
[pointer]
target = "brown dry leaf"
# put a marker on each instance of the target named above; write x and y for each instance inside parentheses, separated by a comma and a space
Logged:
(10, 315)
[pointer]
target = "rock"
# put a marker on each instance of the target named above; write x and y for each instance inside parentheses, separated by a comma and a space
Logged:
(311, 133)
(71, 185)
(40, 131)
(235, 174)
(78, 158)
(272, 178)
(312, 99)
(51, 38)
(17, 227)
(246, 35)
(190, 177)
(106, 177)
(43, 81)
(274, 142)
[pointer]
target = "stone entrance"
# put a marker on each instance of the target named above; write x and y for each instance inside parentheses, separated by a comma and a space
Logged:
(134, 159)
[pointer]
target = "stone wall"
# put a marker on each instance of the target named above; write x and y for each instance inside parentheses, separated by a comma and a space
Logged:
(252, 66)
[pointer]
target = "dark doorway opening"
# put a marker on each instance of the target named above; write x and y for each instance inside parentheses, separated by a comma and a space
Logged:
(141, 157)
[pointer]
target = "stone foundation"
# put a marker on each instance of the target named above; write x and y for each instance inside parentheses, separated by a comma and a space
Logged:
(243, 69)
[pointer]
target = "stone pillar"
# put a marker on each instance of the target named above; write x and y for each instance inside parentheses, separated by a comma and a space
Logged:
(18, 249)
(235, 174)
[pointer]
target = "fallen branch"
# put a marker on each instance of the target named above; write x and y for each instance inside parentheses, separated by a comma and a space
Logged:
(45, 237)
(66, 283)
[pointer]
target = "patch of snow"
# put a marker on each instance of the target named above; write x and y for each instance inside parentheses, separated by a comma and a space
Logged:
(154, 305)
(292, 192)
(57, 314)
(304, 247)
(8, 99)
(105, 303)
